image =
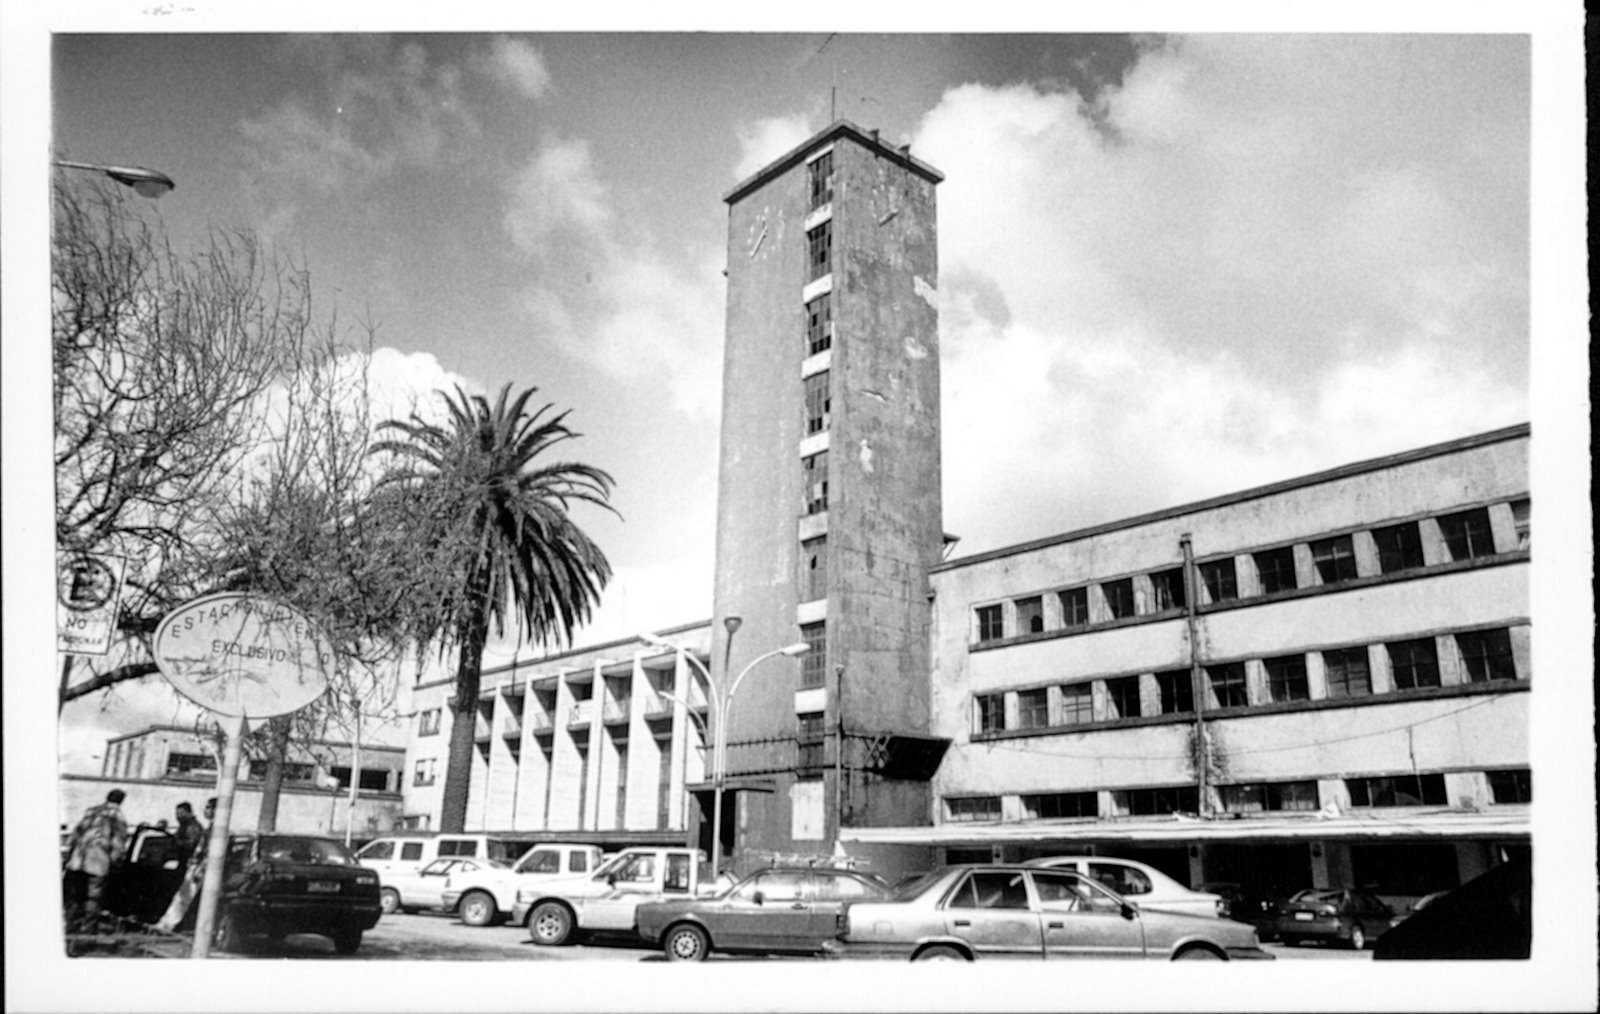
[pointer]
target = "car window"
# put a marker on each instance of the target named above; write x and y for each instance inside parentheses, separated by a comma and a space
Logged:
(542, 861)
(438, 868)
(914, 887)
(466, 847)
(677, 879)
(411, 851)
(1125, 880)
(834, 887)
(991, 889)
(637, 869)
(1068, 892)
(579, 860)
(377, 850)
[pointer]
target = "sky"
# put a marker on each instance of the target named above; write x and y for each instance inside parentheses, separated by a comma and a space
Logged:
(1171, 266)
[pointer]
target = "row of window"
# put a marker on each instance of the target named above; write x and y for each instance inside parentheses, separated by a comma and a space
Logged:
(1469, 656)
(1506, 787)
(1393, 549)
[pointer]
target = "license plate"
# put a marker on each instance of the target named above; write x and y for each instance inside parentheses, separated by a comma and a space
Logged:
(1304, 916)
(322, 886)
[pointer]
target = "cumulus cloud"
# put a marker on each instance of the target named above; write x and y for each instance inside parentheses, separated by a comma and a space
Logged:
(519, 64)
(764, 140)
(1237, 277)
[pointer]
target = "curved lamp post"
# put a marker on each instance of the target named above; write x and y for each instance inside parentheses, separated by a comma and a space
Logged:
(145, 182)
(721, 702)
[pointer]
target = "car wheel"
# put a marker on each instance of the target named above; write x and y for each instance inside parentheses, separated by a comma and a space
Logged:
(347, 941)
(940, 953)
(228, 936)
(686, 943)
(477, 908)
(1197, 953)
(1358, 938)
(389, 900)
(550, 924)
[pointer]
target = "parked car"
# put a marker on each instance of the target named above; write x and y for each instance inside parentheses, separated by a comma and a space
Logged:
(1249, 905)
(1004, 911)
(776, 911)
(1415, 907)
(486, 895)
(1488, 917)
(278, 884)
(1144, 886)
(1335, 915)
(607, 900)
(408, 890)
(409, 852)
(142, 887)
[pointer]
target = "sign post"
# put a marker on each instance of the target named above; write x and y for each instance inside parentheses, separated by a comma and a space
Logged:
(244, 657)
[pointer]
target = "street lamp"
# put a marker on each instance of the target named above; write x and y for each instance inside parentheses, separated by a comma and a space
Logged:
(721, 703)
(145, 182)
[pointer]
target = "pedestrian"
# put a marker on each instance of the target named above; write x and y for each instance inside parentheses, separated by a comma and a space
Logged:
(189, 887)
(190, 835)
(97, 844)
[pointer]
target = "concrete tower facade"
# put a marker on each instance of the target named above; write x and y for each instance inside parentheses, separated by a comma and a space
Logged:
(829, 510)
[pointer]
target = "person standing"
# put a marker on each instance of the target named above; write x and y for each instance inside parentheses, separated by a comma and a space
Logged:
(191, 835)
(189, 888)
(97, 844)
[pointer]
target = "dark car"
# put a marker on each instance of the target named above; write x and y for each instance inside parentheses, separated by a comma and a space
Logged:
(1332, 915)
(776, 911)
(1489, 917)
(278, 884)
(1246, 904)
(141, 887)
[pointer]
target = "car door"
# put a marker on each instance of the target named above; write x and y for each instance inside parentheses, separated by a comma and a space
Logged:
(829, 891)
(769, 911)
(629, 883)
(1083, 920)
(990, 910)
(430, 882)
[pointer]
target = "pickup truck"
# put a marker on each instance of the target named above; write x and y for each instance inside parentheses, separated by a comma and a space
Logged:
(605, 901)
(486, 894)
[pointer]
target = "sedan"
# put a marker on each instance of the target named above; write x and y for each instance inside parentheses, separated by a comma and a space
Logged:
(776, 911)
(994, 911)
(1332, 915)
(278, 884)
(1144, 886)
(407, 891)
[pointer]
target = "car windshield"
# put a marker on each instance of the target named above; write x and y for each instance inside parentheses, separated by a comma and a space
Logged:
(913, 887)
(320, 851)
(1327, 896)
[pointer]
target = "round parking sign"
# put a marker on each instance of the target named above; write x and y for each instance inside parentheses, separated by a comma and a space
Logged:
(243, 654)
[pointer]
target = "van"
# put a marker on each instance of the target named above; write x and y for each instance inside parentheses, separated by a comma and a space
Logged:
(408, 853)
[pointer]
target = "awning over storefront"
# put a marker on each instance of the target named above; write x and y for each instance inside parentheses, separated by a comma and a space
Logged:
(1435, 824)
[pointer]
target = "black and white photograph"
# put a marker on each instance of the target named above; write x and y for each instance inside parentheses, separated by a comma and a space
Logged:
(727, 508)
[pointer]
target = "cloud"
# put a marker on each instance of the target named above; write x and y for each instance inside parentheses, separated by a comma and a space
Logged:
(765, 139)
(1242, 275)
(519, 64)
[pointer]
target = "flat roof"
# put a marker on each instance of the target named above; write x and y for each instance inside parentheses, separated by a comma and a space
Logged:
(1518, 431)
(899, 154)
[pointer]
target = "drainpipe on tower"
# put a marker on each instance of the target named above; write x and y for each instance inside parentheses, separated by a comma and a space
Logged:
(1191, 599)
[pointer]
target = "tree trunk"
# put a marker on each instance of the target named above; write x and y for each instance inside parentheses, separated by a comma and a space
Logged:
(464, 723)
(272, 781)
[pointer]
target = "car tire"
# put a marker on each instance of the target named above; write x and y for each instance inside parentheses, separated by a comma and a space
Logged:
(347, 941)
(389, 901)
(477, 908)
(1197, 953)
(1358, 937)
(550, 924)
(227, 936)
(940, 953)
(686, 943)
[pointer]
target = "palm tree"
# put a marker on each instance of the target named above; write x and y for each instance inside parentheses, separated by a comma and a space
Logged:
(494, 523)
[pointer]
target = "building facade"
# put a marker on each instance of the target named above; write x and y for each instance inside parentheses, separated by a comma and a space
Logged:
(1319, 682)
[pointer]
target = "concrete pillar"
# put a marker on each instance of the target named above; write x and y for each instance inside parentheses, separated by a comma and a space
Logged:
(1246, 576)
(1503, 527)
(1366, 549)
(1434, 550)
(1451, 670)
(1522, 650)
(1316, 676)
(1379, 664)
(1305, 567)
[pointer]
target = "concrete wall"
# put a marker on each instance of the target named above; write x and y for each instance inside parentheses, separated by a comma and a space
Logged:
(300, 810)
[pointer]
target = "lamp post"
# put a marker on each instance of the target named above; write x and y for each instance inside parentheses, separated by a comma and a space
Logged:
(721, 702)
(145, 182)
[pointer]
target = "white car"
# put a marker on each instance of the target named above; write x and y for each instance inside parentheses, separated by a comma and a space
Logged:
(1145, 886)
(407, 890)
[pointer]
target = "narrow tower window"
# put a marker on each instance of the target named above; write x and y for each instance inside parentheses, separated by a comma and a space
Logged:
(821, 171)
(819, 323)
(819, 250)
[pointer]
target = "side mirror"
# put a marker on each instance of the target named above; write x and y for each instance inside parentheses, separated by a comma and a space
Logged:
(1129, 911)
(611, 878)
(759, 898)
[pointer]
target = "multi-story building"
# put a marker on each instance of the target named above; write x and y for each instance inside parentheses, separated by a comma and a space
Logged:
(161, 766)
(1322, 681)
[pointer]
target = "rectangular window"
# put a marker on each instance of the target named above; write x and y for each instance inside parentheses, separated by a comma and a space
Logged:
(820, 172)
(1286, 678)
(1397, 790)
(1414, 663)
(1486, 655)
(1056, 805)
(1119, 597)
(424, 772)
(819, 251)
(1269, 796)
(1155, 802)
(972, 808)
(991, 712)
(814, 578)
(809, 737)
(1030, 615)
(1227, 683)
(1167, 587)
(428, 722)
(1522, 520)
(814, 663)
(1221, 581)
(1467, 535)
(819, 404)
(816, 482)
(1399, 547)
(1122, 697)
(187, 763)
(1335, 559)
(991, 623)
(1511, 786)
(1033, 709)
(1177, 692)
(1074, 607)
(819, 324)
(1348, 674)
(1077, 704)
(1275, 568)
